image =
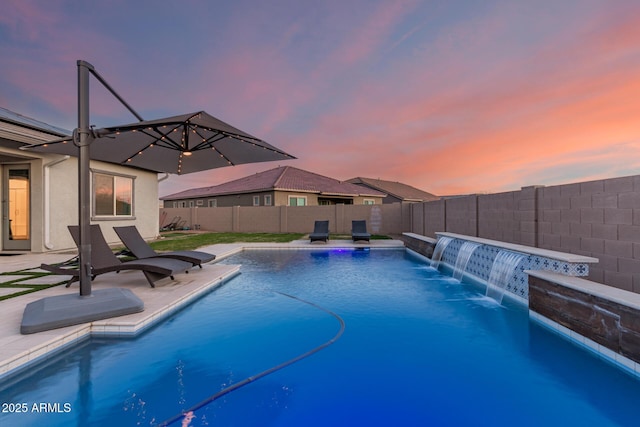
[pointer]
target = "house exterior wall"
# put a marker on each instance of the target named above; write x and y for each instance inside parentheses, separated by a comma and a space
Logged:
(278, 198)
(64, 203)
(145, 200)
(391, 199)
(282, 198)
(62, 191)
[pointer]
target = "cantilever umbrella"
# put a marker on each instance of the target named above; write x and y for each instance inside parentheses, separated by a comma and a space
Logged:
(179, 145)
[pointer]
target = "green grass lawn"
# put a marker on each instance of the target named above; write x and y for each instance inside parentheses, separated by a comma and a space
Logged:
(177, 241)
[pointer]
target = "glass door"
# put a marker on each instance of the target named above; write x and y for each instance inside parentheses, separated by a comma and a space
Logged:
(16, 208)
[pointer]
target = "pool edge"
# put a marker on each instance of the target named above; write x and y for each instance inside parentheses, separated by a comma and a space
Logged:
(120, 327)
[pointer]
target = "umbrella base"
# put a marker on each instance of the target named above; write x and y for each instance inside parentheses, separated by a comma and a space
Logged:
(67, 310)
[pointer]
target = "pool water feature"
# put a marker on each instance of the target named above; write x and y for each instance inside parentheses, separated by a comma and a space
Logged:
(438, 250)
(417, 349)
(504, 266)
(464, 255)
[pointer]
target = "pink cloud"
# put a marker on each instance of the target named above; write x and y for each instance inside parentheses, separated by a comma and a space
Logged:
(494, 132)
(510, 95)
(366, 38)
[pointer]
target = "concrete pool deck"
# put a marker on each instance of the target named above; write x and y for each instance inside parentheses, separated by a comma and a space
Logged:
(18, 352)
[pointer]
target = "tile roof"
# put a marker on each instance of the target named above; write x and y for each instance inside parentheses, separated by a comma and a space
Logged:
(283, 178)
(397, 189)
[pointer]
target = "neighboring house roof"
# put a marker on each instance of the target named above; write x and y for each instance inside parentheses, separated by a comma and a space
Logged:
(397, 189)
(282, 178)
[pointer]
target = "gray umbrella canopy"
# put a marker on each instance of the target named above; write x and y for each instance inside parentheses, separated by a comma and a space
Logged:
(181, 144)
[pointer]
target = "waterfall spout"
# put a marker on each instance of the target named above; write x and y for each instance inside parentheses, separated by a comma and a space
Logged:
(441, 245)
(464, 255)
(501, 271)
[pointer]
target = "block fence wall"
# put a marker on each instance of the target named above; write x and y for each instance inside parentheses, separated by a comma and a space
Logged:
(600, 219)
(381, 219)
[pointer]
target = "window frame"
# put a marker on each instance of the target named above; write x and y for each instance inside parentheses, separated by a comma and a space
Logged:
(297, 198)
(115, 177)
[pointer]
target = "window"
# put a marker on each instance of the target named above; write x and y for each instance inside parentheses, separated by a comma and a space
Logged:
(256, 200)
(191, 203)
(267, 200)
(297, 201)
(213, 203)
(112, 195)
(175, 204)
(200, 203)
(369, 202)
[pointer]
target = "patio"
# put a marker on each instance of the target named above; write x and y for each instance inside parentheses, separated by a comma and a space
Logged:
(19, 351)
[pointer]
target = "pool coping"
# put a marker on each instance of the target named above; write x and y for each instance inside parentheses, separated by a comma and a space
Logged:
(19, 352)
(617, 295)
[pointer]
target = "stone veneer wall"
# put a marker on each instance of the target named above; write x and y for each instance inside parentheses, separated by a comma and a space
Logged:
(599, 318)
(420, 244)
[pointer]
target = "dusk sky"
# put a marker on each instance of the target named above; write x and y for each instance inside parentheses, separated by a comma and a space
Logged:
(448, 96)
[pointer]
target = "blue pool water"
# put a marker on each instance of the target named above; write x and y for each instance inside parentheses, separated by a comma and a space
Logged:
(418, 349)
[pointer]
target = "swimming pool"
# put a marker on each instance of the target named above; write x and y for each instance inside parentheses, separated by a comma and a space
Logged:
(418, 348)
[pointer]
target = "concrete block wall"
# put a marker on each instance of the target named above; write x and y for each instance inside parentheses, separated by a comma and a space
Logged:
(435, 217)
(600, 219)
(461, 215)
(381, 219)
(526, 216)
(418, 218)
(496, 216)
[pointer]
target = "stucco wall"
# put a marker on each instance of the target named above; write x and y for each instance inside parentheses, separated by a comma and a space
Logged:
(279, 198)
(64, 203)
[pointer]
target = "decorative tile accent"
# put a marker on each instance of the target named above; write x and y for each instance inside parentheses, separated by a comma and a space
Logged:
(481, 262)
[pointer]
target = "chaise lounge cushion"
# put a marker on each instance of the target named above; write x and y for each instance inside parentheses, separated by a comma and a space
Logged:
(320, 232)
(359, 231)
(103, 260)
(132, 239)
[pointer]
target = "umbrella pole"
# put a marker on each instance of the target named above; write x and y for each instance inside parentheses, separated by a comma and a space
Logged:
(66, 310)
(84, 177)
